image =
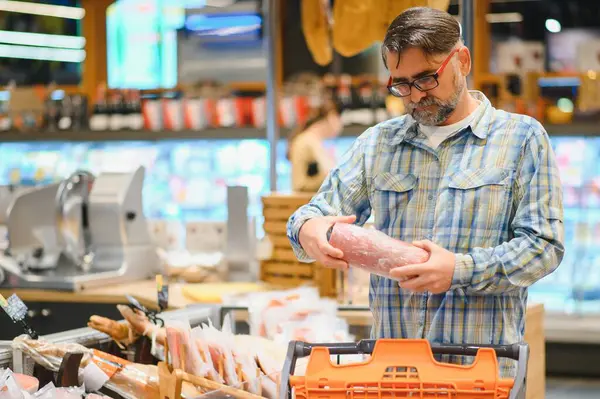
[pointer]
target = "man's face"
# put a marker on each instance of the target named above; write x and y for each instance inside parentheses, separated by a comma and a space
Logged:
(432, 107)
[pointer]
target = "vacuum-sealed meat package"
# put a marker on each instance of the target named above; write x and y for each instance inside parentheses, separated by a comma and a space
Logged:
(373, 250)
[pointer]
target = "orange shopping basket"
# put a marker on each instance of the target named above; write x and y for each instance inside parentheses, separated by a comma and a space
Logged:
(403, 368)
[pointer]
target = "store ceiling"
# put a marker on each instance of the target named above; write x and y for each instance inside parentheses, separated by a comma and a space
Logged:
(570, 14)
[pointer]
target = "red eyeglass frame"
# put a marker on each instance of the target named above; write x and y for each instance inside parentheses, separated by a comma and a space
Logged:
(434, 75)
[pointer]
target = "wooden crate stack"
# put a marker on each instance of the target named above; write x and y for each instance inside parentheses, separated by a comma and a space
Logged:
(283, 269)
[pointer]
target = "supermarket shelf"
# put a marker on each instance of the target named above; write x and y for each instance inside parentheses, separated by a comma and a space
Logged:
(591, 128)
(564, 328)
(227, 133)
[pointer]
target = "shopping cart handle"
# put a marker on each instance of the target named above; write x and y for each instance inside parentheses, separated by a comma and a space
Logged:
(508, 351)
(366, 346)
(299, 349)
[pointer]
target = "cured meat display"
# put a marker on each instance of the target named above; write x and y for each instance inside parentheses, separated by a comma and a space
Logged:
(372, 250)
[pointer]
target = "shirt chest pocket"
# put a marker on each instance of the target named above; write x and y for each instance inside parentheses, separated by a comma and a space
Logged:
(391, 195)
(480, 199)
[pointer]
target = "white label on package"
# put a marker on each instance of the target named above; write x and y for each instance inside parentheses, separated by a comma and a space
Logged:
(93, 377)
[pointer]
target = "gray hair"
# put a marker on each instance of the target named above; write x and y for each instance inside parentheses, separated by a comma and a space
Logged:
(433, 31)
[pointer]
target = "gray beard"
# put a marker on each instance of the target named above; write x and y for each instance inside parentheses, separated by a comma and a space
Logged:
(442, 109)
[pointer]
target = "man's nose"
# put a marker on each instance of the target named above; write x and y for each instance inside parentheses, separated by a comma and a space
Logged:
(416, 95)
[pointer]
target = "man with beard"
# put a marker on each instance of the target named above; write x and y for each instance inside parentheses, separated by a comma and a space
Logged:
(476, 187)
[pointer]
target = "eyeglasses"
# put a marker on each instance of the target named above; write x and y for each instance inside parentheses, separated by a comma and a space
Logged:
(425, 83)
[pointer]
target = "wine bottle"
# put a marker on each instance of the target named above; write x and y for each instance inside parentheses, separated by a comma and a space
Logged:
(99, 118)
(65, 119)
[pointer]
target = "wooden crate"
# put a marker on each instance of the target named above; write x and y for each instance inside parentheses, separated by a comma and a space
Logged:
(536, 339)
(283, 269)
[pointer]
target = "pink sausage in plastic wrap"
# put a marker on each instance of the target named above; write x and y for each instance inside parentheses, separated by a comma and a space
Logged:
(372, 250)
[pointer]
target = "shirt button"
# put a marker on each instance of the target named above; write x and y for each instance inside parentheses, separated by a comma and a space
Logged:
(430, 197)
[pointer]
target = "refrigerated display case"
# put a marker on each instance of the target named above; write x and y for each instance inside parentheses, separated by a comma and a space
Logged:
(187, 180)
(574, 288)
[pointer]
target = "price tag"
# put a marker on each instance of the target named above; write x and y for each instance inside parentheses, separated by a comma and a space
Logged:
(162, 290)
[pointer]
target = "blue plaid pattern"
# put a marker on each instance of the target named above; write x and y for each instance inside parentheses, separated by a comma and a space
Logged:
(490, 193)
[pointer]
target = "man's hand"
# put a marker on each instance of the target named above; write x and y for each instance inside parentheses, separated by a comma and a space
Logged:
(313, 238)
(433, 276)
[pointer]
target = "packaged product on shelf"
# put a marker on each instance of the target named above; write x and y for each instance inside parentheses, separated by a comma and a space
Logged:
(13, 385)
(128, 379)
(173, 115)
(65, 120)
(226, 112)
(381, 93)
(373, 250)
(18, 386)
(244, 362)
(116, 111)
(151, 111)
(282, 316)
(193, 113)
(183, 351)
(259, 112)
(133, 106)
(364, 112)
(52, 392)
(286, 109)
(344, 91)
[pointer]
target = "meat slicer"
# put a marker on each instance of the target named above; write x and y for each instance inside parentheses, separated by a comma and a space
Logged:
(82, 232)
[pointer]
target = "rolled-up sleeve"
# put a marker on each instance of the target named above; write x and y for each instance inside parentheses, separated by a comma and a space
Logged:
(537, 246)
(344, 192)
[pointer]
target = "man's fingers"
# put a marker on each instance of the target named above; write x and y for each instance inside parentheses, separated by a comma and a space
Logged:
(424, 244)
(329, 250)
(418, 284)
(333, 263)
(407, 271)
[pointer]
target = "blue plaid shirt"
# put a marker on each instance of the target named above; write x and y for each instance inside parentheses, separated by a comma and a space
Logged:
(490, 193)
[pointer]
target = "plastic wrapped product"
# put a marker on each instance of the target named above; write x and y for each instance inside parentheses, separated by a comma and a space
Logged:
(184, 351)
(372, 250)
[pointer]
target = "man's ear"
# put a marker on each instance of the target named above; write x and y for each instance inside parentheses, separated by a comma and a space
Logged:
(464, 60)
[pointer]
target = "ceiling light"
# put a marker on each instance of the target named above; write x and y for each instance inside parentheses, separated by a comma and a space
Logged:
(553, 26)
(41, 53)
(505, 17)
(42, 40)
(42, 9)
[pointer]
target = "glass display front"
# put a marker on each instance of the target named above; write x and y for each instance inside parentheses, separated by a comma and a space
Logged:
(575, 286)
(187, 180)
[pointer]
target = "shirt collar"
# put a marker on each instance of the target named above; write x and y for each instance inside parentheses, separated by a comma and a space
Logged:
(407, 128)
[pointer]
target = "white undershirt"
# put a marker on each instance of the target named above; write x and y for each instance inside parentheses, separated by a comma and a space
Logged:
(437, 134)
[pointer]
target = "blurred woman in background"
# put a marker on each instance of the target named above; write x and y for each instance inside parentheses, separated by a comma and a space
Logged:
(310, 160)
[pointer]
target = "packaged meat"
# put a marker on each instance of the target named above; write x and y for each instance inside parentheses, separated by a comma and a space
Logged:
(373, 250)
(221, 354)
(183, 351)
(244, 360)
(10, 380)
(262, 305)
(127, 379)
(199, 337)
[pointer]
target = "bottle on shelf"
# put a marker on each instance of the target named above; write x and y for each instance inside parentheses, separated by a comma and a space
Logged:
(381, 93)
(79, 111)
(65, 119)
(134, 105)
(364, 113)
(116, 112)
(100, 115)
(51, 113)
